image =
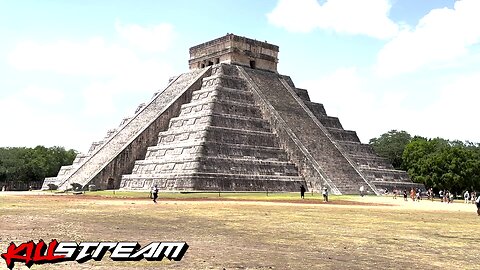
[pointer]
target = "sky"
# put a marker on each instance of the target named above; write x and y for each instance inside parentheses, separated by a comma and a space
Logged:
(72, 70)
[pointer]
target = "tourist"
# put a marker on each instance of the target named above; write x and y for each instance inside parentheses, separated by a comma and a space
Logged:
(325, 194)
(362, 189)
(419, 195)
(477, 202)
(405, 195)
(473, 197)
(430, 194)
(302, 192)
(412, 194)
(155, 193)
(440, 194)
(395, 193)
(466, 196)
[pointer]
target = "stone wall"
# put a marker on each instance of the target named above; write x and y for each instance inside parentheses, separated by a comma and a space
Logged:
(232, 49)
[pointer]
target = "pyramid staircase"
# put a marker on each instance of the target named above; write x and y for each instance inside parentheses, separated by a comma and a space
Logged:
(376, 170)
(116, 155)
(219, 141)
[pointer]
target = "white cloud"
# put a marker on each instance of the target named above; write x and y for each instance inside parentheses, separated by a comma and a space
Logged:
(441, 36)
(157, 38)
(114, 79)
(93, 57)
(367, 17)
(25, 122)
(454, 113)
(43, 95)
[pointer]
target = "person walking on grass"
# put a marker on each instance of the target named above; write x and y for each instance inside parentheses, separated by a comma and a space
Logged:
(155, 193)
(325, 194)
(466, 196)
(413, 194)
(302, 192)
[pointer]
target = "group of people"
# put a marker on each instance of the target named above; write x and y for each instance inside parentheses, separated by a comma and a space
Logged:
(470, 197)
(415, 194)
(324, 193)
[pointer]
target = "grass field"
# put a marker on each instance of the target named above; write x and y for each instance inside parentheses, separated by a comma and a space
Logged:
(251, 230)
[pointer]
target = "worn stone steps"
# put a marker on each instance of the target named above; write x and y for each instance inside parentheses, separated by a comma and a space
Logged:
(212, 182)
(219, 137)
(220, 120)
(122, 138)
(326, 158)
(218, 134)
(340, 134)
(357, 148)
(223, 93)
(211, 164)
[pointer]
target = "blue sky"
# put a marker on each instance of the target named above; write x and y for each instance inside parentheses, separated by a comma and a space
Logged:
(71, 70)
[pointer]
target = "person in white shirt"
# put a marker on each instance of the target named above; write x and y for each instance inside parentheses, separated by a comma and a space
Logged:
(466, 196)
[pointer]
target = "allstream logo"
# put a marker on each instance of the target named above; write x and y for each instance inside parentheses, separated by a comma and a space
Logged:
(39, 253)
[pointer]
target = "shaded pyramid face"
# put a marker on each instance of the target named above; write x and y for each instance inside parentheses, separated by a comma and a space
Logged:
(219, 141)
(234, 128)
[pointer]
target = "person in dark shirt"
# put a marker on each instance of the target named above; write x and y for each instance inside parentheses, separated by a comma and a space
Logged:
(302, 192)
(155, 193)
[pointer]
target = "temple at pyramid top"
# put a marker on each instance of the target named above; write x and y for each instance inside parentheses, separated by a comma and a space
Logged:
(237, 50)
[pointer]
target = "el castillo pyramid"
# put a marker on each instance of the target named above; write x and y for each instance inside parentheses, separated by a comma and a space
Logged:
(231, 123)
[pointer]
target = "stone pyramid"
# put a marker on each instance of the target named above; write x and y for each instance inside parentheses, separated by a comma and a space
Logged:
(232, 124)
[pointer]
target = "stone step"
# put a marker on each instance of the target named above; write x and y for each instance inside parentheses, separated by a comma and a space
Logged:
(225, 81)
(329, 121)
(371, 161)
(340, 134)
(317, 109)
(354, 148)
(302, 93)
(218, 134)
(225, 107)
(212, 182)
(385, 174)
(216, 165)
(189, 148)
(244, 151)
(220, 120)
(223, 93)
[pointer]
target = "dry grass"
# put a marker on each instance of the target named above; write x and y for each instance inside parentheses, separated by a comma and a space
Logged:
(255, 235)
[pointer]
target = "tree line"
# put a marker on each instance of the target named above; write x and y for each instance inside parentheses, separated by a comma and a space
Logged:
(437, 163)
(27, 165)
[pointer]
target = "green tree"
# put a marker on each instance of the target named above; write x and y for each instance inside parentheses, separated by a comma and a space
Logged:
(443, 164)
(390, 145)
(32, 164)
